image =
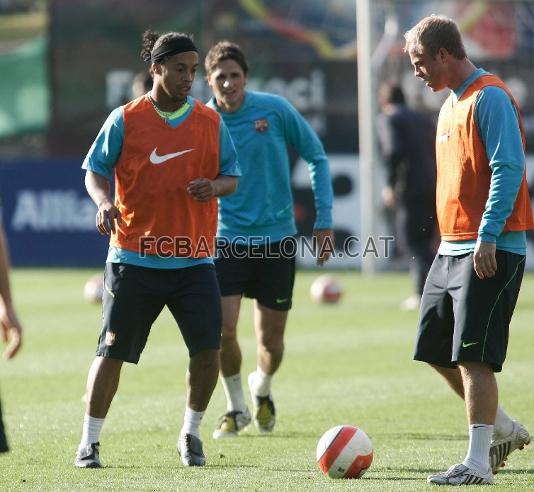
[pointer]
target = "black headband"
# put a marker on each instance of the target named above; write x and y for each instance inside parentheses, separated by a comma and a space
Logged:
(172, 47)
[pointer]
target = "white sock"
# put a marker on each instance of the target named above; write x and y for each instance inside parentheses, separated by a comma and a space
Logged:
(91, 430)
(233, 389)
(479, 446)
(504, 425)
(262, 383)
(192, 421)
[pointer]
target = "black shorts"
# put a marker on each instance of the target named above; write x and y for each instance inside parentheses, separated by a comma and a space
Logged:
(464, 318)
(262, 272)
(134, 296)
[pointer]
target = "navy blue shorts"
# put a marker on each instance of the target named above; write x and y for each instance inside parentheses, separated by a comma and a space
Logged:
(262, 272)
(464, 318)
(134, 296)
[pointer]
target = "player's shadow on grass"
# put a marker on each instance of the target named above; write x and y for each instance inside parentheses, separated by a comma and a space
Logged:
(515, 471)
(511, 473)
(264, 468)
(395, 479)
(277, 435)
(423, 436)
(424, 471)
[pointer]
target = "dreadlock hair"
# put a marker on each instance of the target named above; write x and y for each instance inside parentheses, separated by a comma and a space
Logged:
(153, 40)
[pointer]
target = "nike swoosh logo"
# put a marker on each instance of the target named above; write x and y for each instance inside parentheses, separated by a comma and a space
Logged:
(465, 345)
(160, 159)
(281, 301)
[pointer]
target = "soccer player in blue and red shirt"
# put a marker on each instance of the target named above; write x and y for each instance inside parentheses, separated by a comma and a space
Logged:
(171, 157)
(258, 223)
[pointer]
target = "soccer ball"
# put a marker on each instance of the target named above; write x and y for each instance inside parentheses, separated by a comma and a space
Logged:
(326, 289)
(344, 451)
(94, 288)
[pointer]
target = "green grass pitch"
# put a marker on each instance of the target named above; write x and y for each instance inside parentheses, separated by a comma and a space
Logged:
(349, 363)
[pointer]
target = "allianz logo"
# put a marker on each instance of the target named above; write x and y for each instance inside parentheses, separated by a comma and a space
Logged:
(52, 211)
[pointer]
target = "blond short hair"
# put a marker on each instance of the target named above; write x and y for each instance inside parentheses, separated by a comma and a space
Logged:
(433, 33)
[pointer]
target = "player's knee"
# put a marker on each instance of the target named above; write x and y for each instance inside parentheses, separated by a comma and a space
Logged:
(228, 337)
(272, 344)
(229, 330)
(205, 361)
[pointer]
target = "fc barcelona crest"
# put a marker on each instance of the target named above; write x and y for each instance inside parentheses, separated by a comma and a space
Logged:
(261, 125)
(110, 338)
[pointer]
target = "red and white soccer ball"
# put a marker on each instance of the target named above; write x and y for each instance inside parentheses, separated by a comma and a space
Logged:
(344, 451)
(326, 289)
(94, 288)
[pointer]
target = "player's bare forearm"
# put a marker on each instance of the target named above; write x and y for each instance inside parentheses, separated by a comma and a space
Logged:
(225, 185)
(5, 290)
(204, 189)
(107, 215)
(98, 188)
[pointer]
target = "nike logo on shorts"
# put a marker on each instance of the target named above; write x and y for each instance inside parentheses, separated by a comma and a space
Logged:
(281, 301)
(160, 159)
(468, 344)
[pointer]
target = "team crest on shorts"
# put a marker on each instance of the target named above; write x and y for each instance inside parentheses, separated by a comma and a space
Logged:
(110, 338)
(261, 125)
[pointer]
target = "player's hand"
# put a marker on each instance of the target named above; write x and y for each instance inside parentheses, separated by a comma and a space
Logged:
(11, 332)
(202, 189)
(388, 197)
(107, 216)
(325, 244)
(484, 260)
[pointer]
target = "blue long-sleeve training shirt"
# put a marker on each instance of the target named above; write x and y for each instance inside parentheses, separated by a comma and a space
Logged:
(262, 206)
